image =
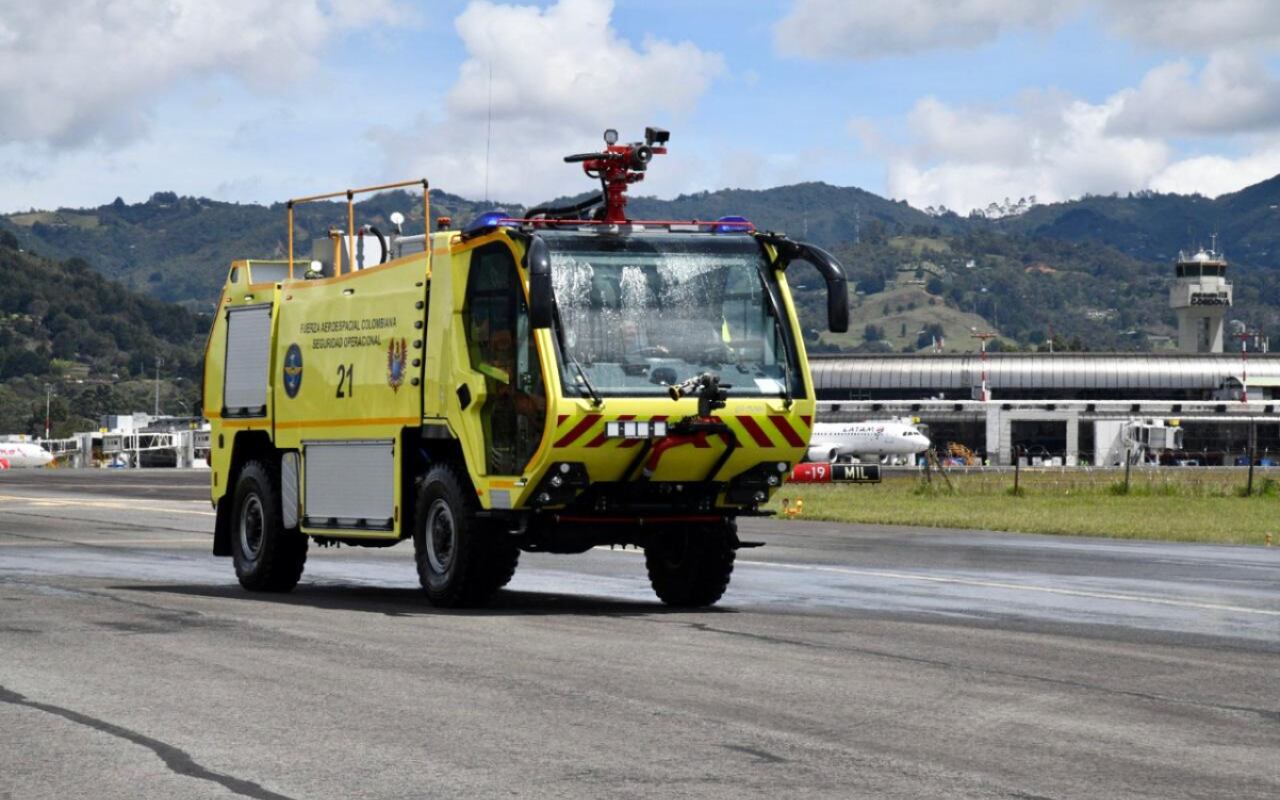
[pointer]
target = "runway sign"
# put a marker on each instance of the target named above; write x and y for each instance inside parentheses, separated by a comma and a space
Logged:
(821, 472)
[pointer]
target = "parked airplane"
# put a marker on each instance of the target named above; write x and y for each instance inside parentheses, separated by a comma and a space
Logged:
(23, 454)
(832, 441)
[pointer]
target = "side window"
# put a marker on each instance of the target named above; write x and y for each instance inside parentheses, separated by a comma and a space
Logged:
(748, 323)
(502, 349)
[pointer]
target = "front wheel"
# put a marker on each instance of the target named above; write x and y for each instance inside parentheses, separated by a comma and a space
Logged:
(690, 567)
(461, 561)
(268, 558)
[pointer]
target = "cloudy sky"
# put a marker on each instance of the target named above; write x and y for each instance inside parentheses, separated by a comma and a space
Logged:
(953, 102)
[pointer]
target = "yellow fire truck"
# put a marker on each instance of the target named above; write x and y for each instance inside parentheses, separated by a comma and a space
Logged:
(568, 379)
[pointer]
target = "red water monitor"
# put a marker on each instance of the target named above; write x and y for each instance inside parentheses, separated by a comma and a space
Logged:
(621, 165)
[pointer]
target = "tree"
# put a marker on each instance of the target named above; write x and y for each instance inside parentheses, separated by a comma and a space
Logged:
(23, 362)
(871, 284)
(64, 345)
(927, 336)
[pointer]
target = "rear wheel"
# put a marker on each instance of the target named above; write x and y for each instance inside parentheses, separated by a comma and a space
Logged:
(690, 567)
(268, 558)
(461, 560)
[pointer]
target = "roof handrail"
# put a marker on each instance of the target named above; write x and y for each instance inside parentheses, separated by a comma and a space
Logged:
(351, 214)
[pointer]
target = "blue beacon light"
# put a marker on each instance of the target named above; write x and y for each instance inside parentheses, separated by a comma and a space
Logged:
(489, 219)
(733, 224)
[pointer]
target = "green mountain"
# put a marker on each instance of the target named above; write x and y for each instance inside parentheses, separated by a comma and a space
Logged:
(94, 342)
(816, 212)
(178, 248)
(913, 288)
(1156, 226)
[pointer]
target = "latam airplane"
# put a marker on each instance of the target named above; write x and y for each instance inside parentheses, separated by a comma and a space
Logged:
(23, 454)
(832, 441)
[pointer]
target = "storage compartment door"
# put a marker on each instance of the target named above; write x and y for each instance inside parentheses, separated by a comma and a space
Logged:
(244, 383)
(349, 485)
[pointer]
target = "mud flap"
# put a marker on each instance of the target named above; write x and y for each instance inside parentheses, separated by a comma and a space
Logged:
(222, 528)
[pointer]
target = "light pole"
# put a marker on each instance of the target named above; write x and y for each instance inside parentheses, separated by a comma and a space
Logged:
(48, 395)
(159, 361)
(984, 338)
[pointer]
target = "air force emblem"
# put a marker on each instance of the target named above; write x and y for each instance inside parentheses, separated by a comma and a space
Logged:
(292, 370)
(397, 351)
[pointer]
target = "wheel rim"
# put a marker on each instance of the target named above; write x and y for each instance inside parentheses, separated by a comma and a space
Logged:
(252, 524)
(442, 537)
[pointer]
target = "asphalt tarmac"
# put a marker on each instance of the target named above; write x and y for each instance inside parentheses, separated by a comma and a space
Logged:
(845, 661)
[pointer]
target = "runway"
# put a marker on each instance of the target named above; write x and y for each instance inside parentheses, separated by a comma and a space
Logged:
(845, 661)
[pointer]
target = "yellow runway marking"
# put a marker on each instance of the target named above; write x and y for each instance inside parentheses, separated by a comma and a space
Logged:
(117, 505)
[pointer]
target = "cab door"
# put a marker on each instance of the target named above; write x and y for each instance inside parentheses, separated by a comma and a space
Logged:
(502, 349)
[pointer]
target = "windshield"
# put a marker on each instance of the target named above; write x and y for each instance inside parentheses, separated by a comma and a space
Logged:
(643, 311)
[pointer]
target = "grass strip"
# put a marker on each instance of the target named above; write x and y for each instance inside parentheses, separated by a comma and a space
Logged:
(1197, 507)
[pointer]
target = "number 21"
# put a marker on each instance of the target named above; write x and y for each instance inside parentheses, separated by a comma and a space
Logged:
(346, 373)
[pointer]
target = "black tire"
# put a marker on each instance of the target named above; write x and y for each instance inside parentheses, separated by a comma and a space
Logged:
(461, 560)
(267, 557)
(690, 566)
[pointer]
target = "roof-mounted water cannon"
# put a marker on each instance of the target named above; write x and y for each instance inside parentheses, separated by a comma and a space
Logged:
(620, 165)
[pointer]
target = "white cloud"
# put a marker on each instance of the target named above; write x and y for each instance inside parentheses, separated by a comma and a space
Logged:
(1194, 25)
(869, 30)
(1058, 147)
(945, 132)
(866, 30)
(77, 71)
(1051, 146)
(1234, 94)
(1214, 175)
(560, 76)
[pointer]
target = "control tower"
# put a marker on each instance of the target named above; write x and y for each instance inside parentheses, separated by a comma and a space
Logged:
(1200, 297)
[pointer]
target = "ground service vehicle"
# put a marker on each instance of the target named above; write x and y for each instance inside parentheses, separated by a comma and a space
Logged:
(551, 383)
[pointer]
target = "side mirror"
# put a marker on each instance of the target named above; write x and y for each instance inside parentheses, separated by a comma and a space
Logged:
(837, 286)
(537, 259)
(827, 266)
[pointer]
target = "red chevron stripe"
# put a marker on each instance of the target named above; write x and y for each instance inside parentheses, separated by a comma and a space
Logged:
(788, 432)
(757, 434)
(808, 421)
(560, 419)
(603, 436)
(579, 429)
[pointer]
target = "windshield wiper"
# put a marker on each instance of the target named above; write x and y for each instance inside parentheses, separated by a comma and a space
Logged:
(596, 398)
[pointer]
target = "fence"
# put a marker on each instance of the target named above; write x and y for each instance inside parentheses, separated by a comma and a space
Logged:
(1140, 479)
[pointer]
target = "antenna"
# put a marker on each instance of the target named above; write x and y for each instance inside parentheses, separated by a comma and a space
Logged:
(488, 136)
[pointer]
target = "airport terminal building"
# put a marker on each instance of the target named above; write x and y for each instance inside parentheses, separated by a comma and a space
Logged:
(1069, 408)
